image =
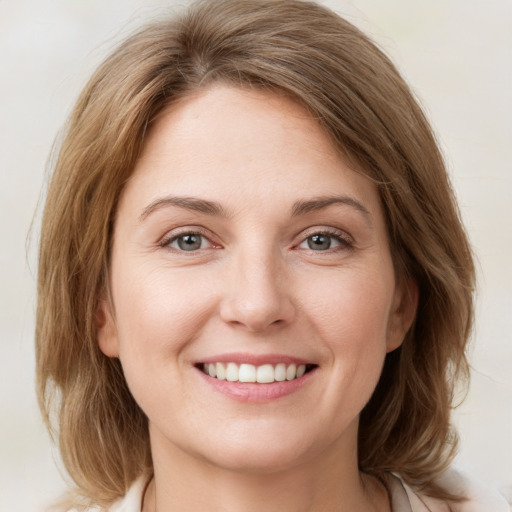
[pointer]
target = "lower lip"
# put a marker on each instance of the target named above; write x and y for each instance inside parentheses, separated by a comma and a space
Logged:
(256, 393)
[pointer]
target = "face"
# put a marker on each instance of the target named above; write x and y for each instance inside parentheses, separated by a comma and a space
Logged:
(253, 291)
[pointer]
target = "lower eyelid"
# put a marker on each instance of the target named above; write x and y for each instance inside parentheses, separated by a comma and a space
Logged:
(340, 239)
(344, 241)
(171, 239)
(203, 241)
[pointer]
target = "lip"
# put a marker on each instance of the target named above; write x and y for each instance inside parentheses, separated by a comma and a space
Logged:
(254, 359)
(254, 392)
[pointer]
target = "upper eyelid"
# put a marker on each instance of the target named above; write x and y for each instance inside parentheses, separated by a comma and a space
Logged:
(169, 244)
(344, 238)
(175, 233)
(324, 230)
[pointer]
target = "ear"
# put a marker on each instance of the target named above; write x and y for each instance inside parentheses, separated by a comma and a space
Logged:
(403, 313)
(106, 329)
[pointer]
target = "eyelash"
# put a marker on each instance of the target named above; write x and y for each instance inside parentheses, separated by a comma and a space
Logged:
(346, 243)
(166, 242)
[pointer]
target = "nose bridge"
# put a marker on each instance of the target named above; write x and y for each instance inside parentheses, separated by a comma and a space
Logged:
(258, 296)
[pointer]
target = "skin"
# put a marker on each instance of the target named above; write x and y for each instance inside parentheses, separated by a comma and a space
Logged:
(253, 287)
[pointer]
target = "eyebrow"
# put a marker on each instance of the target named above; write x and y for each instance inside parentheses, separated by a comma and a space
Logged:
(213, 208)
(188, 203)
(319, 203)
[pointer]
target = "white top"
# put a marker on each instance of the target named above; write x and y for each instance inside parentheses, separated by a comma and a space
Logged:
(404, 499)
(479, 497)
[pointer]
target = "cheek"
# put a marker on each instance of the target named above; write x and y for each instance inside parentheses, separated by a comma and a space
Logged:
(350, 319)
(351, 307)
(158, 312)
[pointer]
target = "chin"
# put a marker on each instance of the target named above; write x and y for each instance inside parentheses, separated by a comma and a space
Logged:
(262, 461)
(265, 452)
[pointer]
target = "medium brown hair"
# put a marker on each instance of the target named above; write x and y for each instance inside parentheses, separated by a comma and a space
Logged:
(310, 54)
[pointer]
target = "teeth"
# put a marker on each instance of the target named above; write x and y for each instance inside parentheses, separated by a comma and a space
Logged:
(221, 371)
(280, 372)
(247, 373)
(232, 372)
(291, 372)
(264, 374)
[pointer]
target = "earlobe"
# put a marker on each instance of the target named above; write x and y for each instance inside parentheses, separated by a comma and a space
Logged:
(403, 313)
(106, 330)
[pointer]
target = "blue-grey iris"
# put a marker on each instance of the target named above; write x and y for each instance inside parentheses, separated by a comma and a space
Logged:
(189, 242)
(319, 242)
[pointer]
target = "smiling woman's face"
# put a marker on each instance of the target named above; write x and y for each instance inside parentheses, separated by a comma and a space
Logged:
(244, 247)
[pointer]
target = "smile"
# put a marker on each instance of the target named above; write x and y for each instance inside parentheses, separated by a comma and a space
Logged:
(249, 373)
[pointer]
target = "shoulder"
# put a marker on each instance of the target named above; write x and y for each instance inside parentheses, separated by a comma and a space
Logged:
(479, 498)
(131, 502)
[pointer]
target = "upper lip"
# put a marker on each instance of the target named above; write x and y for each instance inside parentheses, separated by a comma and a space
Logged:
(254, 359)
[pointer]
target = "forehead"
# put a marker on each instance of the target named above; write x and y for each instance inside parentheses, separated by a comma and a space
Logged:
(257, 143)
(217, 123)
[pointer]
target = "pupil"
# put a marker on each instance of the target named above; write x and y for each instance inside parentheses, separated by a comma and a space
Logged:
(319, 242)
(189, 242)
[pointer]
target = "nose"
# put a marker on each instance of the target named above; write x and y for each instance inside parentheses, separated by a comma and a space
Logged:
(258, 295)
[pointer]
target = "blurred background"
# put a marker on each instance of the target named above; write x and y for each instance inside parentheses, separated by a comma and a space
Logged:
(457, 56)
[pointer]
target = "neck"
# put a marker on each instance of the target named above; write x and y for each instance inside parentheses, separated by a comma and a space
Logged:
(330, 481)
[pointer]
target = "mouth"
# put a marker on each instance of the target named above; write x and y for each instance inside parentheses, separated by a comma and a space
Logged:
(249, 373)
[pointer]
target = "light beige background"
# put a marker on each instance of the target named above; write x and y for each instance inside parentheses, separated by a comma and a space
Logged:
(457, 54)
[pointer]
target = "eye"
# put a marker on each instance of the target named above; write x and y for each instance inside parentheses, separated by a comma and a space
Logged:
(324, 241)
(189, 242)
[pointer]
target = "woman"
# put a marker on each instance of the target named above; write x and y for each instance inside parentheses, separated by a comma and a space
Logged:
(254, 285)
